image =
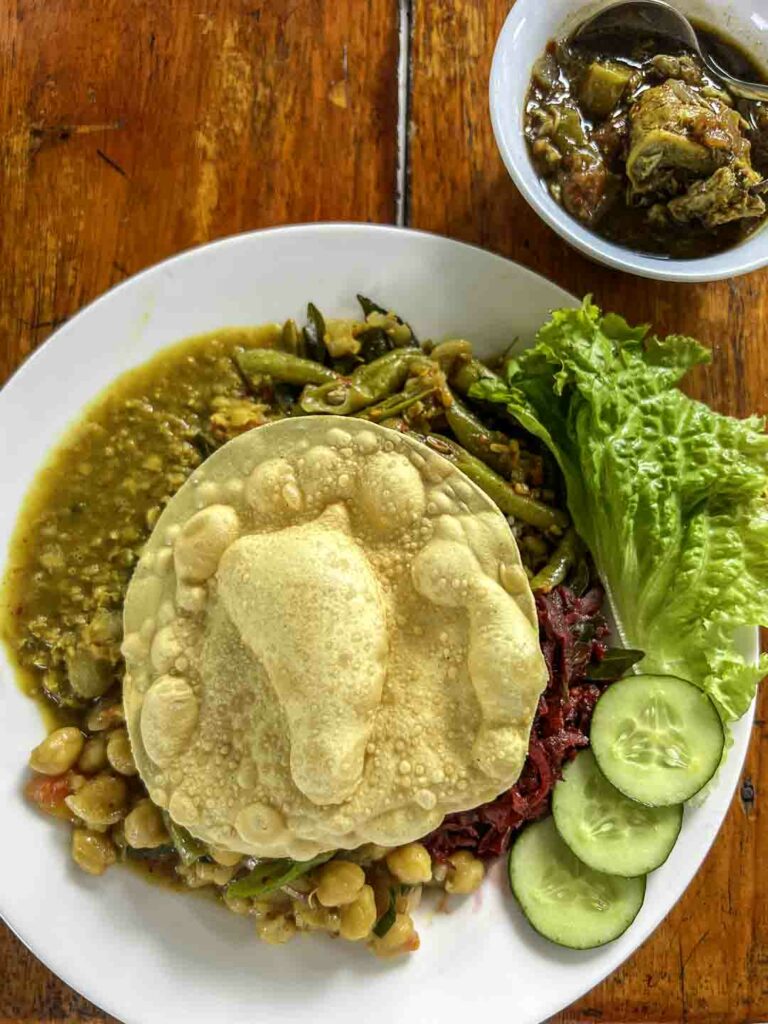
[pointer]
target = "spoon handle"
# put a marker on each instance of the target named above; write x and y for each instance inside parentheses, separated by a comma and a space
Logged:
(744, 90)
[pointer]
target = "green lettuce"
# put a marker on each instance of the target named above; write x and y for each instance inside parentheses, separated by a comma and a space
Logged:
(670, 497)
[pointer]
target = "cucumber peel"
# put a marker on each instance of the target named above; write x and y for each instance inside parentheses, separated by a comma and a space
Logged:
(605, 829)
(657, 739)
(563, 899)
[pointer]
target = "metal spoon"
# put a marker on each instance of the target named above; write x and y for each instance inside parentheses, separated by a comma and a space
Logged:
(662, 19)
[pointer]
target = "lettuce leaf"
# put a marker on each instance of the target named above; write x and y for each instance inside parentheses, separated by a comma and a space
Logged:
(670, 496)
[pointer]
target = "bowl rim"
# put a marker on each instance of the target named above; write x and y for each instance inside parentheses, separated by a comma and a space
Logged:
(722, 266)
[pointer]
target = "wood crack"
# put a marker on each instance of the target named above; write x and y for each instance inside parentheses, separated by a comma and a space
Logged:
(404, 83)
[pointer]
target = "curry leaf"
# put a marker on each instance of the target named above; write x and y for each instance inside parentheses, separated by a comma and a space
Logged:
(188, 848)
(614, 664)
(314, 335)
(387, 919)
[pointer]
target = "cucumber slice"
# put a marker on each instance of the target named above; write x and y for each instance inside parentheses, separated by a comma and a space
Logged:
(566, 901)
(658, 739)
(607, 830)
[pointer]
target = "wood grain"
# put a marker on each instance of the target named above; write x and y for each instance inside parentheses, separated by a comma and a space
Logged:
(708, 962)
(131, 129)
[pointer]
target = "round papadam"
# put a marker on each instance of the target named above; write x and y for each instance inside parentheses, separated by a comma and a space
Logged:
(330, 640)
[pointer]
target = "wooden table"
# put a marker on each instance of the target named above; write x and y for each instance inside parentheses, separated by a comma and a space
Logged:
(132, 129)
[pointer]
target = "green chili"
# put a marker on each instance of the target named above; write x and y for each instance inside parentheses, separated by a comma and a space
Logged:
(271, 875)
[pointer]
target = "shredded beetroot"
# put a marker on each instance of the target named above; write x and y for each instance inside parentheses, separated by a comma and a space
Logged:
(573, 636)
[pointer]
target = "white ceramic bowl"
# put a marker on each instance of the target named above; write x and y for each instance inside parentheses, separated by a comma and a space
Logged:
(152, 956)
(528, 28)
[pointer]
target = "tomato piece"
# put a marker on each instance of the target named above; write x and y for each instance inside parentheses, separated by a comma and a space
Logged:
(47, 792)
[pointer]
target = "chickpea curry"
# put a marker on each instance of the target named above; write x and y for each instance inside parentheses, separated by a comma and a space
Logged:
(635, 139)
(112, 485)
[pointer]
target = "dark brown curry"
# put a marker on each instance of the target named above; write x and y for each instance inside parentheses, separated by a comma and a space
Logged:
(635, 139)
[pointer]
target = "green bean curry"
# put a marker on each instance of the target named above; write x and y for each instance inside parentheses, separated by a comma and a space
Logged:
(636, 140)
(93, 508)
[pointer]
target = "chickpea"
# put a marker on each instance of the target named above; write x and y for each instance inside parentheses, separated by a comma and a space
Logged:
(359, 916)
(315, 919)
(58, 752)
(340, 882)
(92, 851)
(410, 864)
(402, 937)
(275, 903)
(237, 904)
(100, 801)
(94, 755)
(465, 874)
(119, 753)
(275, 930)
(76, 782)
(144, 826)
(200, 874)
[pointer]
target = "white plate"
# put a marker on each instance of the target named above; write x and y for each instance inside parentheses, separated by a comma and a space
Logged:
(150, 956)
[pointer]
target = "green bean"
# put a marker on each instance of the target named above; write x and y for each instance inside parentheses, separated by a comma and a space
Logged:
(520, 506)
(492, 446)
(450, 354)
(259, 363)
(369, 384)
(395, 405)
(469, 372)
(557, 568)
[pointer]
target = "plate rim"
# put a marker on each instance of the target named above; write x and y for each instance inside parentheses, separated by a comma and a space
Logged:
(59, 338)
